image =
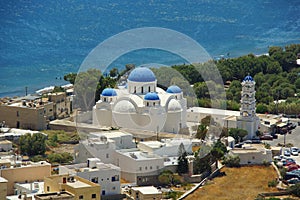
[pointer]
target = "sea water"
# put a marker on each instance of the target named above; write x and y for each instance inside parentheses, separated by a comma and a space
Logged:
(41, 41)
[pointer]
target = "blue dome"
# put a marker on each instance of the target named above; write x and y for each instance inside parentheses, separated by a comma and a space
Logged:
(142, 74)
(173, 89)
(248, 78)
(152, 96)
(109, 92)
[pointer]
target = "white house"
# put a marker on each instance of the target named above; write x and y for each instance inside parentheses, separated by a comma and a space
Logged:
(106, 175)
(141, 105)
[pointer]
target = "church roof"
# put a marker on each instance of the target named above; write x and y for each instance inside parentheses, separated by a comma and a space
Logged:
(142, 74)
(109, 92)
(173, 89)
(152, 96)
(248, 78)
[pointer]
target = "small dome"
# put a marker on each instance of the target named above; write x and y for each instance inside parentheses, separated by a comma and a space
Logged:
(109, 92)
(174, 105)
(124, 106)
(248, 78)
(142, 74)
(173, 89)
(152, 96)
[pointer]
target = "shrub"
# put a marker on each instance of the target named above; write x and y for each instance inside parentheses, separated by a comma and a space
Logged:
(272, 183)
(232, 161)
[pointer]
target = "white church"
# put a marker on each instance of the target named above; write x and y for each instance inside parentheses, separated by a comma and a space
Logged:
(141, 105)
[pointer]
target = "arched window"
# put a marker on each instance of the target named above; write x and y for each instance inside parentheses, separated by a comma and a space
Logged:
(149, 89)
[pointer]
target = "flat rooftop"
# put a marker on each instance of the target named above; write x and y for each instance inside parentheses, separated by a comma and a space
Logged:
(213, 111)
(54, 195)
(78, 184)
(147, 190)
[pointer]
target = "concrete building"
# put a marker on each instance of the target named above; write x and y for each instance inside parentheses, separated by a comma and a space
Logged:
(196, 114)
(5, 146)
(62, 106)
(3, 188)
(26, 114)
(168, 147)
(248, 119)
(108, 176)
(55, 196)
(145, 193)
(139, 167)
(25, 173)
(253, 154)
(79, 187)
(29, 188)
(141, 105)
(103, 146)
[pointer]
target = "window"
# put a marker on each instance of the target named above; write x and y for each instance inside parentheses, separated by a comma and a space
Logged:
(149, 89)
(80, 196)
(103, 192)
(115, 178)
(104, 99)
(18, 114)
(140, 168)
(94, 179)
(146, 168)
(107, 155)
(48, 189)
(142, 90)
(113, 188)
(94, 196)
(150, 167)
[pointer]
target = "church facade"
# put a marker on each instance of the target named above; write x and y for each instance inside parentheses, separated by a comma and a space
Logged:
(141, 105)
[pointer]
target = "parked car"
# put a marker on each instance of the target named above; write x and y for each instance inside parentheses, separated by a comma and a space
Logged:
(266, 137)
(292, 167)
(294, 151)
(287, 153)
(248, 141)
(293, 180)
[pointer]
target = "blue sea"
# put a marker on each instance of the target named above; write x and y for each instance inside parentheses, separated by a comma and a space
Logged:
(43, 40)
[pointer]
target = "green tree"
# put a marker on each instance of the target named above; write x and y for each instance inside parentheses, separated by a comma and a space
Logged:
(182, 160)
(237, 133)
(58, 89)
(61, 158)
(71, 77)
(32, 145)
(113, 72)
(167, 177)
(201, 132)
(88, 88)
(261, 108)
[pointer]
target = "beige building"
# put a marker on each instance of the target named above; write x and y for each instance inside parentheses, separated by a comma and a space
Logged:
(3, 188)
(145, 193)
(26, 114)
(79, 187)
(55, 195)
(30, 172)
(62, 104)
(5, 145)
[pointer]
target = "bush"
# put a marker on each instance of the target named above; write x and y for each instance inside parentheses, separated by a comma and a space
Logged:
(232, 161)
(60, 158)
(272, 183)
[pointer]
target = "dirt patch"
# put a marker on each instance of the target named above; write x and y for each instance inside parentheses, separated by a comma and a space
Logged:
(238, 183)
